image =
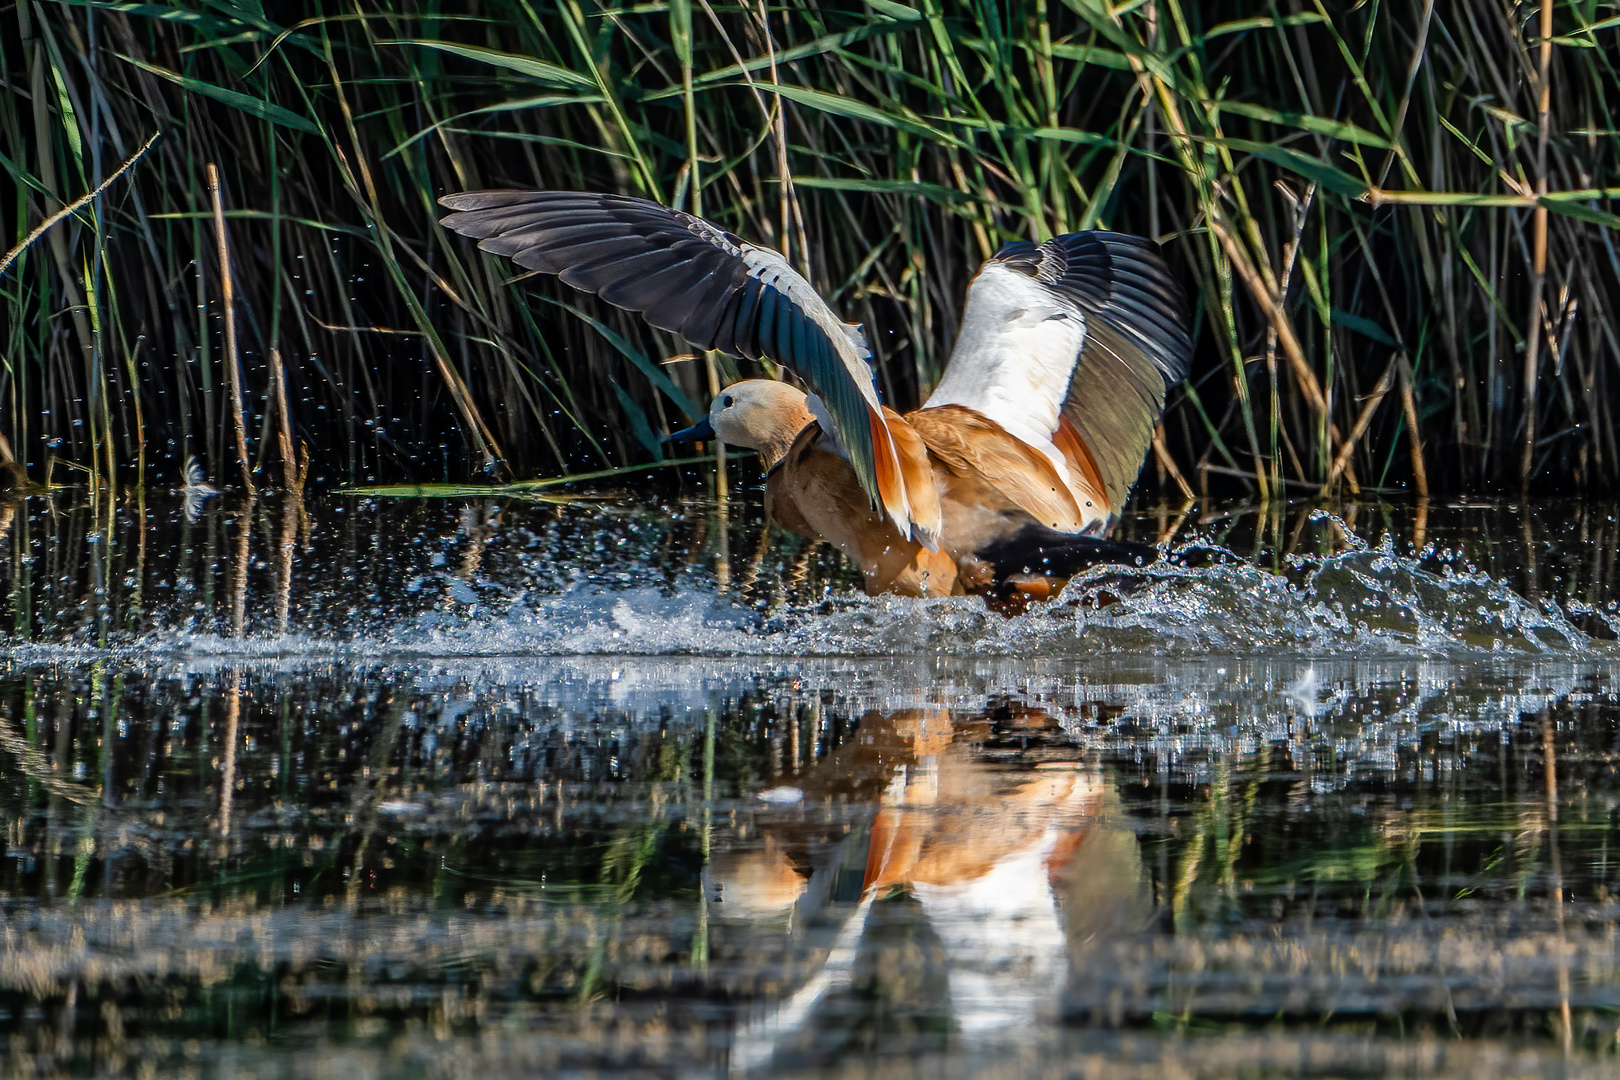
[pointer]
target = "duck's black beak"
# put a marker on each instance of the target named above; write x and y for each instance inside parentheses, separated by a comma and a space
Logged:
(699, 432)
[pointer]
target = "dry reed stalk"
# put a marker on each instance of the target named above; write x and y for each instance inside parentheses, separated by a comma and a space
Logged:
(233, 375)
(13, 477)
(1301, 208)
(292, 509)
(239, 568)
(1420, 474)
(1342, 461)
(1304, 377)
(1254, 281)
(1170, 527)
(43, 227)
(1168, 463)
(1538, 250)
(278, 388)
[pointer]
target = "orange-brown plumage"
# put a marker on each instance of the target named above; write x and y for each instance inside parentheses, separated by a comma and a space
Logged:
(1075, 451)
(964, 471)
(1020, 459)
(812, 492)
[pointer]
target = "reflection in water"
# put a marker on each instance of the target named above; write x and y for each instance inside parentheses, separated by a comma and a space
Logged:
(395, 789)
(983, 856)
(707, 869)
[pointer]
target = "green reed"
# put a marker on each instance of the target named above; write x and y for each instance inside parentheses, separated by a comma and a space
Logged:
(1404, 271)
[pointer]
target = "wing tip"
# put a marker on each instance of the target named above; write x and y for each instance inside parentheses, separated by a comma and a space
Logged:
(927, 537)
(494, 198)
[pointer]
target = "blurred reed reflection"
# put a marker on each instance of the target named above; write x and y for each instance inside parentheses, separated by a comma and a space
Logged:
(712, 867)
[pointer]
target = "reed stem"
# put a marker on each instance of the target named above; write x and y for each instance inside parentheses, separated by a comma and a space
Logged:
(1538, 247)
(278, 387)
(233, 374)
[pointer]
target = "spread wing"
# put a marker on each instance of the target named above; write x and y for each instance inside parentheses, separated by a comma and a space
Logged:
(1073, 346)
(689, 276)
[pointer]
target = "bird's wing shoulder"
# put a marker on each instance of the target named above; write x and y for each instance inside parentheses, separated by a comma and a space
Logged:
(718, 291)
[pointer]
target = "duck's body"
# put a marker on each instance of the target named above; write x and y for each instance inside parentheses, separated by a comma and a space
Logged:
(813, 492)
(1000, 503)
(982, 477)
(1020, 459)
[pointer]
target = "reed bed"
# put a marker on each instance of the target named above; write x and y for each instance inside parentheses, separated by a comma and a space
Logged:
(1397, 222)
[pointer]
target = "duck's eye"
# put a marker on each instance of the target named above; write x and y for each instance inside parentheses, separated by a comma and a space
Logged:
(726, 402)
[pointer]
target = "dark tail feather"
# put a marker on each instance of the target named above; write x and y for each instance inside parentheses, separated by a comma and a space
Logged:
(1036, 549)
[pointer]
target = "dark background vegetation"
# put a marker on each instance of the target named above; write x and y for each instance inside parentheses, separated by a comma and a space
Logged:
(1378, 224)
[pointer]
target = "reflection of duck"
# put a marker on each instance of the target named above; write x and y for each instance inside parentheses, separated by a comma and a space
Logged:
(1015, 874)
(1024, 453)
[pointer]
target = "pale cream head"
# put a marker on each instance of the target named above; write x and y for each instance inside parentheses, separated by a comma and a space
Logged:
(760, 414)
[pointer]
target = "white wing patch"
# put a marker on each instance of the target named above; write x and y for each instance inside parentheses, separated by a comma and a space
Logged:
(1015, 356)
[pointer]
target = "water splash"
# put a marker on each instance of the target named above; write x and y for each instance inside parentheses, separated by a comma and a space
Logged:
(1369, 602)
(391, 580)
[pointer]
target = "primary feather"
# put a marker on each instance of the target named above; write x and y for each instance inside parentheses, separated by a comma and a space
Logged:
(1087, 328)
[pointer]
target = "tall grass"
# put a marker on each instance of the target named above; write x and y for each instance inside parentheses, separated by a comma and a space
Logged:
(1405, 268)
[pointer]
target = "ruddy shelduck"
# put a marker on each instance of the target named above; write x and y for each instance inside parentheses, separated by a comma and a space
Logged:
(1018, 462)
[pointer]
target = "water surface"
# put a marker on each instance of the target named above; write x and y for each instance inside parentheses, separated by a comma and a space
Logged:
(633, 787)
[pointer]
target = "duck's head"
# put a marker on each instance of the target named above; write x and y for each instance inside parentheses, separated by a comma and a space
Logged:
(757, 414)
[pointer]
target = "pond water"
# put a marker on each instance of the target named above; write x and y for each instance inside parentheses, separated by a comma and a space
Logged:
(632, 786)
